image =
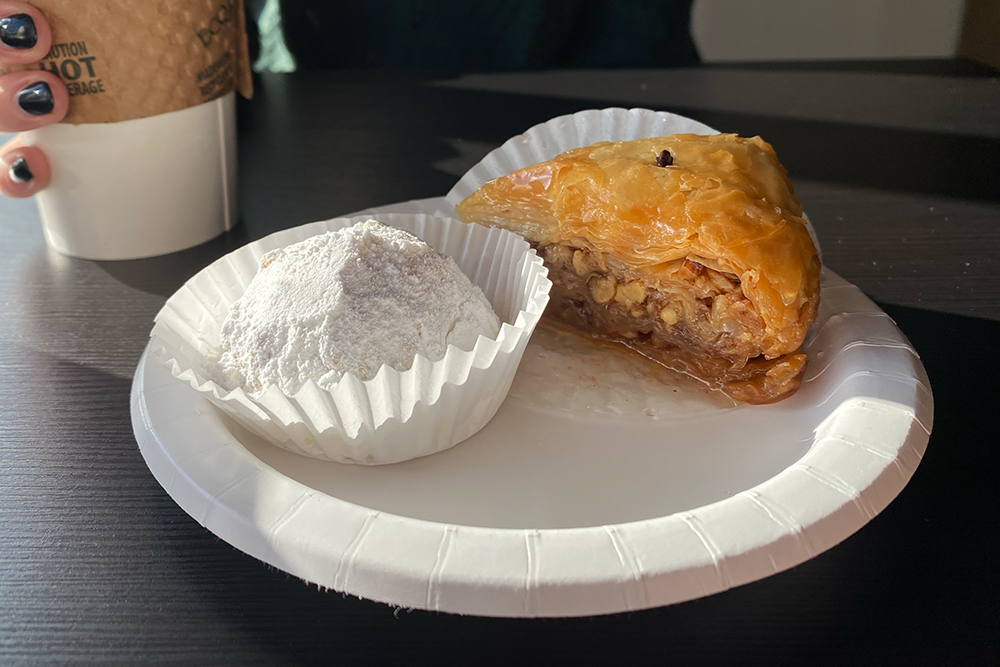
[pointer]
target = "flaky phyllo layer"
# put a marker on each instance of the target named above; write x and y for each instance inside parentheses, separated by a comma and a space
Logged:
(688, 248)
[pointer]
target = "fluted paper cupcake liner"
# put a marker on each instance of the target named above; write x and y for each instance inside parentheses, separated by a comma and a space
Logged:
(583, 128)
(397, 415)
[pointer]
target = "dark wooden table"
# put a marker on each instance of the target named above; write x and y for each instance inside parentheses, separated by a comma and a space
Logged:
(900, 172)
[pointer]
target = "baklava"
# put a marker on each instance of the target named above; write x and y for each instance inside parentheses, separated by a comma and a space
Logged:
(691, 249)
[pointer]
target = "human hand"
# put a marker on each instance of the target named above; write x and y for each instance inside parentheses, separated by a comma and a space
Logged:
(28, 100)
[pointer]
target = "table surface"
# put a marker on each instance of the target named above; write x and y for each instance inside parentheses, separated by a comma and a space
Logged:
(897, 167)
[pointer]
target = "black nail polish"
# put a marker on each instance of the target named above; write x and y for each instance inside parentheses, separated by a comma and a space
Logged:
(36, 99)
(18, 31)
(19, 172)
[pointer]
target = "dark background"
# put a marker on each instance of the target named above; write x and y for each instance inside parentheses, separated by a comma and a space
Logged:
(482, 36)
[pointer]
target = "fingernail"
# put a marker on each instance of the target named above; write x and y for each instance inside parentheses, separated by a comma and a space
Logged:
(18, 31)
(19, 172)
(36, 99)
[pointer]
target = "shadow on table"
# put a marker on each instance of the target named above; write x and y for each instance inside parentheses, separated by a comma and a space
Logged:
(83, 525)
(919, 568)
(165, 274)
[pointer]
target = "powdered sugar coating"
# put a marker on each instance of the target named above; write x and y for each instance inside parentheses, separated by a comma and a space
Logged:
(348, 302)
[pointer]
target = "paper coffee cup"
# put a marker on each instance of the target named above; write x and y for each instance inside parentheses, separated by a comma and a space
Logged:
(145, 161)
(140, 187)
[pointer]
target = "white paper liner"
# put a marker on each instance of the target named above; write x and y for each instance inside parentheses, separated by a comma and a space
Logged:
(397, 415)
(583, 128)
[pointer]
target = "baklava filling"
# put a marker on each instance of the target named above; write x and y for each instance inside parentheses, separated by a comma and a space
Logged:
(691, 318)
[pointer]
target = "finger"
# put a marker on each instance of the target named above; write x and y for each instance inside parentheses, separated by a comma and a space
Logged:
(24, 34)
(29, 100)
(25, 170)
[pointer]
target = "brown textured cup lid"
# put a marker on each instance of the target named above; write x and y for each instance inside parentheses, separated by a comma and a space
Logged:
(123, 59)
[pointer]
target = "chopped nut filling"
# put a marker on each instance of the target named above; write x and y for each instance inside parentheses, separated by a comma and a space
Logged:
(694, 319)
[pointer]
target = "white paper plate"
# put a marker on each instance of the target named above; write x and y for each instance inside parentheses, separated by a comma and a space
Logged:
(594, 491)
(596, 488)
